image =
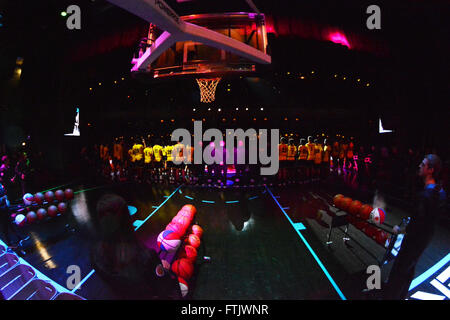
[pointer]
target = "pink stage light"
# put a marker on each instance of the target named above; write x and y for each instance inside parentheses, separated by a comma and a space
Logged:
(338, 37)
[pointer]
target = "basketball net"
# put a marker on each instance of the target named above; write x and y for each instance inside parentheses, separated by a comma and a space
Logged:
(208, 89)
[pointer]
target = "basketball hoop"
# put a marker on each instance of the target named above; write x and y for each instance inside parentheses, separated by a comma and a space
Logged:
(208, 89)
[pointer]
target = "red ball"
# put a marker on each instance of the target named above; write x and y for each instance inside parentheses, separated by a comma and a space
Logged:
(52, 211)
(336, 199)
(354, 207)
(197, 230)
(62, 207)
(39, 198)
(345, 203)
(184, 288)
(382, 237)
(59, 195)
(370, 231)
(49, 196)
(193, 240)
(189, 252)
(176, 227)
(190, 208)
(183, 268)
(360, 225)
(31, 217)
(41, 213)
(182, 220)
(68, 194)
(185, 213)
(364, 211)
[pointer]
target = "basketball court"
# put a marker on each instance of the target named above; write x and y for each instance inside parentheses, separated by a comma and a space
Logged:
(260, 242)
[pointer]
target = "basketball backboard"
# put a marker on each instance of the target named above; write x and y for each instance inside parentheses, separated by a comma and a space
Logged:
(205, 46)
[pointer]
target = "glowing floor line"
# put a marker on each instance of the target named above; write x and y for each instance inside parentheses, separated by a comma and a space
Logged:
(310, 249)
(83, 281)
(424, 276)
(154, 211)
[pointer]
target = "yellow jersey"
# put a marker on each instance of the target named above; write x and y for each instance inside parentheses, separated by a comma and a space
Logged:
(168, 152)
(318, 153)
(282, 151)
(148, 154)
(292, 151)
(311, 148)
(302, 152)
(157, 152)
(138, 150)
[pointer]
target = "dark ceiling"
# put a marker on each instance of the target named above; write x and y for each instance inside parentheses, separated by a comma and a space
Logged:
(406, 61)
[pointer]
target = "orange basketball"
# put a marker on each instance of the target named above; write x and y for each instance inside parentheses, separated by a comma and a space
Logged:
(337, 198)
(364, 211)
(345, 203)
(354, 207)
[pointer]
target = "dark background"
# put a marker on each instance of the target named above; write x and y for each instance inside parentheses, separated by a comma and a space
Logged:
(406, 64)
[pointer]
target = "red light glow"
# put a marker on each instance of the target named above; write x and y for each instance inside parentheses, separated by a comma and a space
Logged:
(338, 37)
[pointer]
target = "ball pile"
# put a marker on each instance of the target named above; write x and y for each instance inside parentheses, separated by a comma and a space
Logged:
(39, 206)
(360, 213)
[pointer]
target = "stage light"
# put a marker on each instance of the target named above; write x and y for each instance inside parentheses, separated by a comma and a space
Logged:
(99, 83)
(288, 73)
(90, 89)
(254, 119)
(234, 119)
(246, 109)
(115, 81)
(262, 109)
(312, 72)
(23, 143)
(367, 84)
(63, 13)
(265, 119)
(123, 79)
(223, 119)
(219, 110)
(162, 121)
(193, 109)
(302, 77)
(285, 119)
(203, 119)
(335, 75)
(358, 80)
(172, 120)
(296, 119)
(344, 78)
(237, 109)
(228, 89)
(209, 109)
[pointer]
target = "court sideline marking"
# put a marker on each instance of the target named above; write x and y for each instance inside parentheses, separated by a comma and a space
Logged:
(327, 274)
(154, 211)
